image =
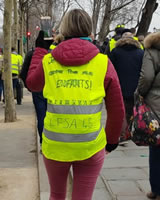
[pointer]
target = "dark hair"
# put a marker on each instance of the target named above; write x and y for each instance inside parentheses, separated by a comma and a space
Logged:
(133, 30)
(13, 49)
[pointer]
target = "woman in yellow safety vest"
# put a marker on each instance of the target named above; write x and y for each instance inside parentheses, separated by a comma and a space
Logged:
(75, 79)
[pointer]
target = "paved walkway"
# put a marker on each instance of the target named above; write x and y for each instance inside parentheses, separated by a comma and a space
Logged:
(18, 157)
(124, 175)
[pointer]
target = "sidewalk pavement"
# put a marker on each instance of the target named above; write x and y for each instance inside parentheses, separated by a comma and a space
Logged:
(124, 175)
(18, 157)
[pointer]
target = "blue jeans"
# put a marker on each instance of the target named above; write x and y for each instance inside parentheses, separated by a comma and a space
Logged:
(154, 165)
(15, 82)
(40, 104)
(17, 87)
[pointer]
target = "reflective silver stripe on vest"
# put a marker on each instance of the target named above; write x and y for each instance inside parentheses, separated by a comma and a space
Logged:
(63, 109)
(15, 65)
(61, 137)
(16, 69)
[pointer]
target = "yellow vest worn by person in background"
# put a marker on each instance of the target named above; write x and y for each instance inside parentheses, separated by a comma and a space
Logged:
(1, 64)
(72, 126)
(141, 46)
(52, 46)
(15, 63)
(20, 61)
(112, 44)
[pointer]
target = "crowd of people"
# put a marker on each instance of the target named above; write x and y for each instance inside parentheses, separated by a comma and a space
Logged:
(70, 77)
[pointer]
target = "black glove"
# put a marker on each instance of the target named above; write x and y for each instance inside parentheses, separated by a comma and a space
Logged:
(40, 42)
(111, 147)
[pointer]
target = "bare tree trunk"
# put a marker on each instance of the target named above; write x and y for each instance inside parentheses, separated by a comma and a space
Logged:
(21, 26)
(15, 26)
(49, 8)
(95, 14)
(10, 111)
(104, 29)
(147, 13)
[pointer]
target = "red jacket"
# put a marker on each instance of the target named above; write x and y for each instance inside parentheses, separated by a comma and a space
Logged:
(75, 52)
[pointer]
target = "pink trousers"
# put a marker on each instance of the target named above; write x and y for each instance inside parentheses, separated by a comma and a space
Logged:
(85, 174)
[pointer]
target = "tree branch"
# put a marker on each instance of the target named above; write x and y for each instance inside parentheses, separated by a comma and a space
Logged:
(79, 4)
(122, 6)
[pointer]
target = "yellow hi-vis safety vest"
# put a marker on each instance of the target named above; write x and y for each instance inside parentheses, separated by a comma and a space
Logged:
(72, 126)
(1, 64)
(15, 63)
(52, 46)
(112, 44)
(141, 46)
(20, 61)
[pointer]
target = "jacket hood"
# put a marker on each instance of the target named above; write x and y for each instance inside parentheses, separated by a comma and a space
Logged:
(127, 41)
(74, 52)
(152, 41)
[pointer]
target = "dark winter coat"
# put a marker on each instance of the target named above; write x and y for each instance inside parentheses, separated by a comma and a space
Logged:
(25, 66)
(149, 82)
(127, 60)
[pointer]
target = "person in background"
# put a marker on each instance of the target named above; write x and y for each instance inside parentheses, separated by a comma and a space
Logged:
(75, 78)
(104, 45)
(56, 37)
(95, 42)
(16, 64)
(119, 29)
(127, 60)
(149, 88)
(141, 40)
(19, 86)
(40, 103)
(133, 31)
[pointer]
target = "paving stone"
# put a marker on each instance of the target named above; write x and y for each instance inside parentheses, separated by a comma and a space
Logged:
(146, 169)
(44, 184)
(124, 188)
(130, 145)
(144, 185)
(44, 196)
(100, 183)
(101, 194)
(124, 173)
(18, 183)
(137, 152)
(125, 162)
(132, 198)
(116, 154)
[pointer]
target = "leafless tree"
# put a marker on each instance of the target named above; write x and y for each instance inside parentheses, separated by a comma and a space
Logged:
(2, 5)
(15, 26)
(147, 13)
(10, 111)
(65, 5)
(105, 13)
(95, 14)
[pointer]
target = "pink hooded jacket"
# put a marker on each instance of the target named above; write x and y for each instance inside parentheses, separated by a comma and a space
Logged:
(76, 52)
